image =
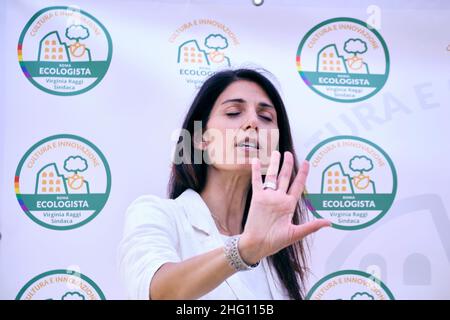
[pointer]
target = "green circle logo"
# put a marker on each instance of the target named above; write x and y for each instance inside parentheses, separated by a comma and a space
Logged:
(350, 285)
(352, 182)
(203, 46)
(343, 60)
(62, 182)
(60, 285)
(64, 51)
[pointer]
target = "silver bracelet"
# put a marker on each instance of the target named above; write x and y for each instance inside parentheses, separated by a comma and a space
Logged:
(234, 258)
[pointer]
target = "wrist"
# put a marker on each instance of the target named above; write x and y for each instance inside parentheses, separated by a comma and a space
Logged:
(249, 249)
(233, 256)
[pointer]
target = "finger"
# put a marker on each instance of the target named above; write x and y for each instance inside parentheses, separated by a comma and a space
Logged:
(303, 230)
(272, 170)
(285, 173)
(298, 185)
(256, 175)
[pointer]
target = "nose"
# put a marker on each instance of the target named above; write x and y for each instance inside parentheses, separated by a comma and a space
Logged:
(251, 121)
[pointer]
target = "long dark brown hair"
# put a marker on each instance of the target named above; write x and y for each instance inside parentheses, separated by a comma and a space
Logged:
(290, 262)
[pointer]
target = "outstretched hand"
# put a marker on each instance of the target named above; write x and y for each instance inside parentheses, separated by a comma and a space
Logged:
(269, 226)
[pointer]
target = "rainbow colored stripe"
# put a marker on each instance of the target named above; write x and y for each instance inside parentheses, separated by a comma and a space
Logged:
(299, 69)
(19, 53)
(18, 195)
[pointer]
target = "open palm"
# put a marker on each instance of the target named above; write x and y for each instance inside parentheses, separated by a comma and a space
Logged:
(269, 226)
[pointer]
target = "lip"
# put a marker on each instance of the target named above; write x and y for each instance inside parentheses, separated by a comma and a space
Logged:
(248, 141)
(247, 149)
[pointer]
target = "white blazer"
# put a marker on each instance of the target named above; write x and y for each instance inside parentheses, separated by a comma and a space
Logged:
(159, 230)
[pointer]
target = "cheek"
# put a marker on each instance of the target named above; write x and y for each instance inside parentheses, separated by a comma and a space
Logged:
(221, 144)
(222, 131)
(269, 138)
(269, 142)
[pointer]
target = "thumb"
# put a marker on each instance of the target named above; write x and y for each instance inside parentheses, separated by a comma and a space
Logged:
(303, 230)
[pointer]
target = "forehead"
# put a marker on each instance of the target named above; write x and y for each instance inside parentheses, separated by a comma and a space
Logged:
(243, 89)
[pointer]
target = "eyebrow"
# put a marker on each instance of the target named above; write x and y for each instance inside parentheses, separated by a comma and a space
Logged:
(239, 100)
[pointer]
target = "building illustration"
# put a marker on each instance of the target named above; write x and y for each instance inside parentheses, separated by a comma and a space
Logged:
(50, 181)
(190, 53)
(53, 49)
(335, 180)
(329, 60)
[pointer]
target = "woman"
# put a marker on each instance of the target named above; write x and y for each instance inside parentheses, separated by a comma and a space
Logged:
(234, 225)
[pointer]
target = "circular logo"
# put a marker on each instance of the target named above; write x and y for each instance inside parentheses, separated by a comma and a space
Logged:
(343, 60)
(62, 182)
(60, 285)
(64, 51)
(352, 182)
(203, 47)
(350, 285)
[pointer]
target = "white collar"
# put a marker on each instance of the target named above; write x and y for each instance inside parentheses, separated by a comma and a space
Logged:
(197, 211)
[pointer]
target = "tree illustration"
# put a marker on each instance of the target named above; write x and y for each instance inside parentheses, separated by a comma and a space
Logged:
(72, 296)
(77, 32)
(75, 164)
(216, 42)
(361, 164)
(362, 296)
(355, 46)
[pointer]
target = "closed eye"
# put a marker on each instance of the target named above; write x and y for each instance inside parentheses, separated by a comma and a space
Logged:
(233, 114)
(266, 118)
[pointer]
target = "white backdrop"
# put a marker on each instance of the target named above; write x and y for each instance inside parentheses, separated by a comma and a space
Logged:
(118, 123)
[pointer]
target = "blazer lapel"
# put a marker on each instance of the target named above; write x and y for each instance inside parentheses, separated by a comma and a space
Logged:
(200, 218)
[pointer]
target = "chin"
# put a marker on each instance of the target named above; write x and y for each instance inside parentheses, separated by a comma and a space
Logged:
(241, 166)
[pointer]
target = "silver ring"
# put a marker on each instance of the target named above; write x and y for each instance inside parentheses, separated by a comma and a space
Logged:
(270, 185)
